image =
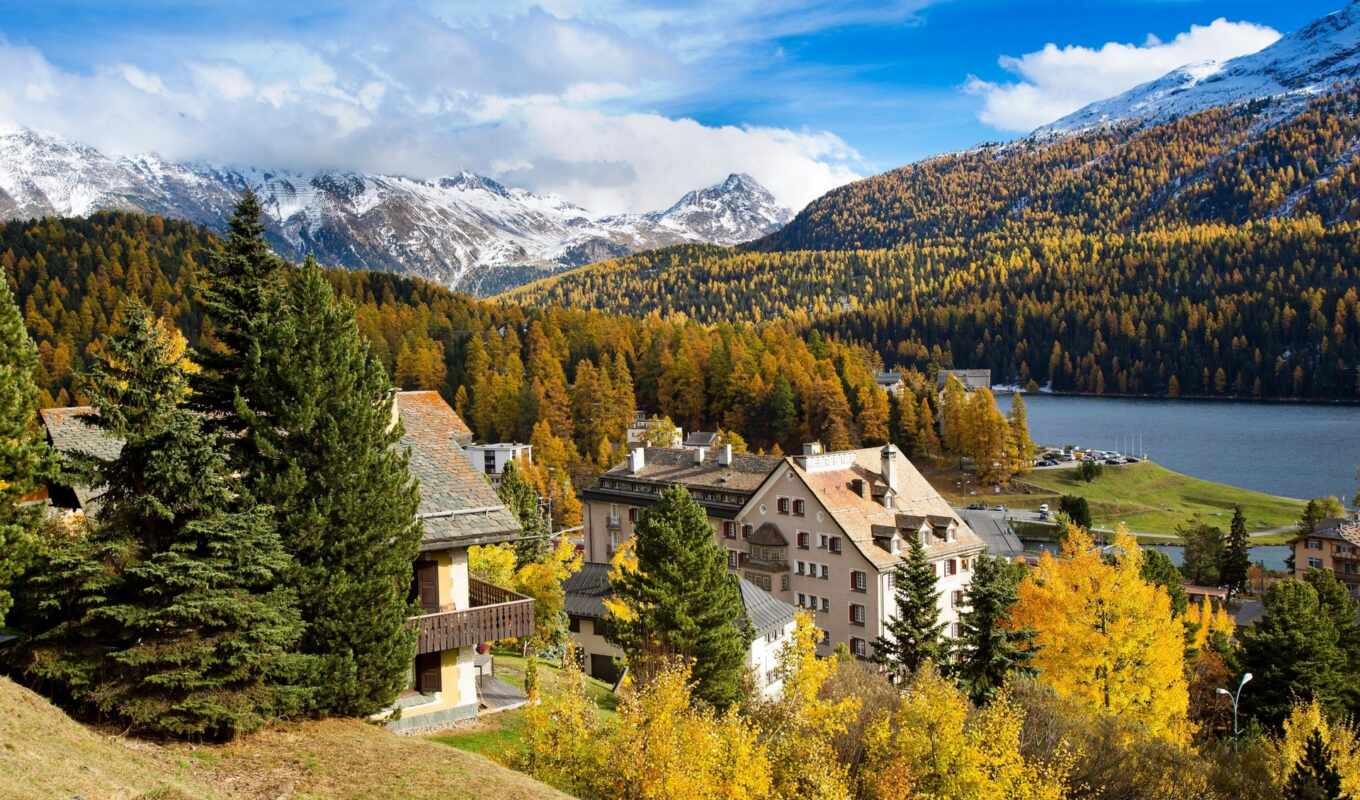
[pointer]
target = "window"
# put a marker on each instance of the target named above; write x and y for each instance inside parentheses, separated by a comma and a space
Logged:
(574, 624)
(732, 558)
(951, 567)
(783, 505)
(826, 604)
(1315, 563)
(798, 508)
(1314, 544)
(826, 573)
(489, 461)
(956, 630)
(823, 541)
(632, 514)
(763, 581)
(803, 539)
(856, 614)
(858, 647)
(956, 598)
(835, 544)
(729, 530)
(802, 600)
(826, 637)
(799, 566)
(746, 531)
(859, 582)
(891, 582)
(783, 583)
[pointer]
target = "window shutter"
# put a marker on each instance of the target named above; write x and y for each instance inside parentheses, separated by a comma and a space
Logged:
(427, 585)
(429, 676)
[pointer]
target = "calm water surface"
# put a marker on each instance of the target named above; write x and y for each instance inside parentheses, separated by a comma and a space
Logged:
(1284, 449)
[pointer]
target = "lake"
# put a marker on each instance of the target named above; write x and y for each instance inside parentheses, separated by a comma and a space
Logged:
(1289, 449)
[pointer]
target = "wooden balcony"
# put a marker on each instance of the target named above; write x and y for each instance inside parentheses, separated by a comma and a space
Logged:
(496, 613)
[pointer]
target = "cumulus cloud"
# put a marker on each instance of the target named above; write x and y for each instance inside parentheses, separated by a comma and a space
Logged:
(549, 101)
(1056, 81)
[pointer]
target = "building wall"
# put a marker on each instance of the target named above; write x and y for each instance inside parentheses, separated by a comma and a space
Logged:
(590, 642)
(1342, 558)
(457, 697)
(763, 658)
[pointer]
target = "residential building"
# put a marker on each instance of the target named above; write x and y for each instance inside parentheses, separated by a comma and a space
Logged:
(457, 509)
(822, 531)
(1333, 545)
(890, 381)
(637, 431)
(492, 458)
(972, 379)
(707, 439)
(772, 622)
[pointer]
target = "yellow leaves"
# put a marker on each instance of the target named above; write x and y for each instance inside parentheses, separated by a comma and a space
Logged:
(493, 563)
(659, 746)
(1209, 621)
(1340, 738)
(542, 581)
(929, 747)
(1105, 637)
(624, 561)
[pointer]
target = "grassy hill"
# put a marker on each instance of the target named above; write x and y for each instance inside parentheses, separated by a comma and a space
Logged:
(45, 754)
(1153, 499)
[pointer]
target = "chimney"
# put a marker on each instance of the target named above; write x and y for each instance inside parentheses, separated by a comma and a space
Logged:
(860, 487)
(812, 448)
(637, 459)
(890, 470)
(699, 453)
(725, 455)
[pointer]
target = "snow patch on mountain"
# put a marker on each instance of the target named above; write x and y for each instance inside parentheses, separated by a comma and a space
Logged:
(465, 230)
(1297, 67)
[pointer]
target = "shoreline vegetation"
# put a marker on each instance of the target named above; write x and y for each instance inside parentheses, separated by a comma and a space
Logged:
(1007, 389)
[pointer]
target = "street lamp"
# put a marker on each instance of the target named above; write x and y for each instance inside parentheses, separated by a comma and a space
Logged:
(1235, 698)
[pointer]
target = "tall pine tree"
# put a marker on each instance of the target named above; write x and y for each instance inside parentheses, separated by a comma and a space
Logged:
(327, 461)
(915, 634)
(177, 615)
(1236, 560)
(24, 457)
(988, 650)
(520, 497)
(681, 601)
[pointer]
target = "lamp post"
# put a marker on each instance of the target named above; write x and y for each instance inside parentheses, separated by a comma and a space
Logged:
(1236, 697)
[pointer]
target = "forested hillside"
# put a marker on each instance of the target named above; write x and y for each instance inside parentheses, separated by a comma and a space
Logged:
(568, 380)
(1208, 256)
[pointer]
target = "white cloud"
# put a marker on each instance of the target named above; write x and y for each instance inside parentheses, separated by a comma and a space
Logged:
(1056, 81)
(552, 103)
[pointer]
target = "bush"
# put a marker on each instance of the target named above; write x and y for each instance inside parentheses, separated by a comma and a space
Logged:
(1089, 471)
(1076, 509)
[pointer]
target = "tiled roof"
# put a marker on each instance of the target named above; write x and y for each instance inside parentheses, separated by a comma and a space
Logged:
(677, 465)
(586, 590)
(701, 439)
(70, 432)
(860, 517)
(1338, 528)
(457, 504)
(769, 535)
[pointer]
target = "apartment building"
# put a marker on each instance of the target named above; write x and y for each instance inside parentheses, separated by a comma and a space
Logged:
(820, 531)
(1333, 545)
(458, 508)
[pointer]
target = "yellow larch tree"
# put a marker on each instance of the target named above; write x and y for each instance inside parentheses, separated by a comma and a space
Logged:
(1104, 637)
(1339, 737)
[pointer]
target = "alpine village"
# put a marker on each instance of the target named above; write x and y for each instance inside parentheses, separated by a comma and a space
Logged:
(1026, 470)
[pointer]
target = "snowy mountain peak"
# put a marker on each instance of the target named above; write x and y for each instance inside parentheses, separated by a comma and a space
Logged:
(465, 230)
(1295, 68)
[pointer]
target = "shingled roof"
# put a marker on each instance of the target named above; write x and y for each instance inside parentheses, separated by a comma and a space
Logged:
(587, 589)
(69, 432)
(457, 504)
(677, 465)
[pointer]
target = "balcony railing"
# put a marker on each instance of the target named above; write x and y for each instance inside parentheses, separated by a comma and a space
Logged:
(496, 613)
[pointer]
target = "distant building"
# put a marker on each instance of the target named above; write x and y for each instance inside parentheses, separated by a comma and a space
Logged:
(972, 379)
(1333, 545)
(586, 590)
(637, 431)
(492, 458)
(701, 439)
(821, 531)
(890, 381)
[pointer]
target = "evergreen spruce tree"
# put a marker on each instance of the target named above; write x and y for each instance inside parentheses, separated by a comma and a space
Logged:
(915, 634)
(1314, 777)
(24, 457)
(683, 601)
(1295, 652)
(1236, 560)
(178, 617)
(783, 411)
(327, 460)
(988, 651)
(520, 497)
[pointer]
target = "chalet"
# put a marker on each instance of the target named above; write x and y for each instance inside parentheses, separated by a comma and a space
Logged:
(1333, 545)
(820, 531)
(458, 509)
(771, 623)
(971, 379)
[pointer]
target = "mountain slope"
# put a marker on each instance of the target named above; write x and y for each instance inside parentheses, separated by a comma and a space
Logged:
(465, 231)
(1301, 65)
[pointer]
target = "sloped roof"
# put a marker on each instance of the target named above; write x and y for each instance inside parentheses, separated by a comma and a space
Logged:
(701, 439)
(860, 517)
(69, 431)
(457, 504)
(677, 465)
(769, 535)
(586, 590)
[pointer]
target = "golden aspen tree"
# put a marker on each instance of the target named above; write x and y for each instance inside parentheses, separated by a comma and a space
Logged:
(1339, 737)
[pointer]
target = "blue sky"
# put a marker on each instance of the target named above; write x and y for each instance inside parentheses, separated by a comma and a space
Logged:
(614, 104)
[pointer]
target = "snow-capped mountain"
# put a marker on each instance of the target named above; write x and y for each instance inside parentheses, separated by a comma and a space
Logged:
(1294, 69)
(465, 230)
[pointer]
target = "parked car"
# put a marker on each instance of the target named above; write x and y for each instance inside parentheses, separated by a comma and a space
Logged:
(1043, 508)
(976, 507)
(999, 508)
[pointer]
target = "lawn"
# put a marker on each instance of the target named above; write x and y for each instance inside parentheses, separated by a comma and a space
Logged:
(1152, 499)
(498, 736)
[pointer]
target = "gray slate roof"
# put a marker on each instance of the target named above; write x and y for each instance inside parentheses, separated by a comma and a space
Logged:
(70, 433)
(676, 465)
(587, 589)
(457, 505)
